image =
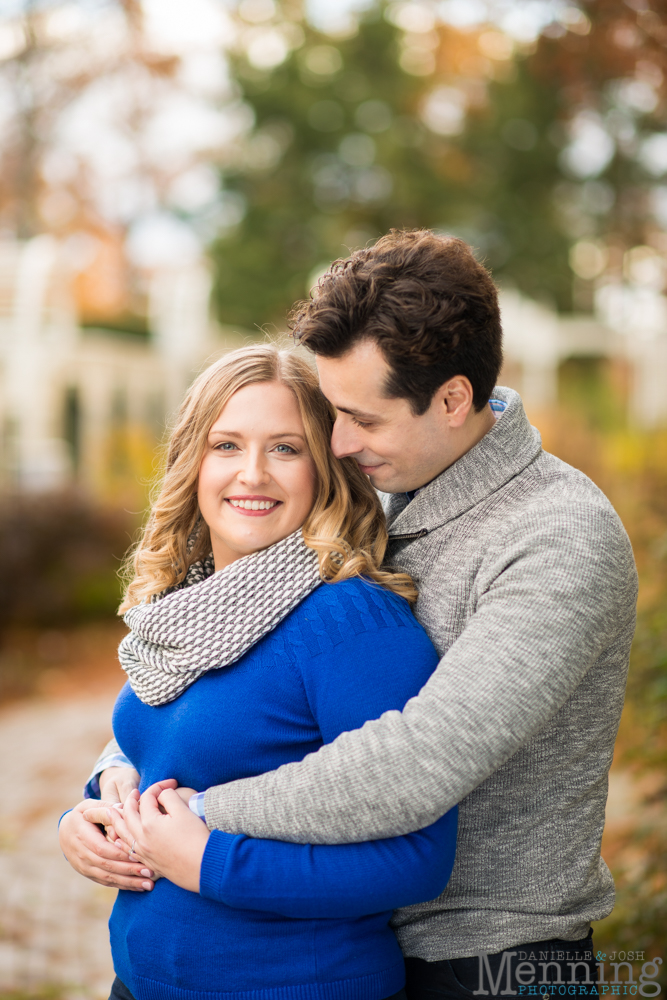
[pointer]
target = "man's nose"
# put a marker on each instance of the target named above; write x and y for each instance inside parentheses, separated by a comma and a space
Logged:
(345, 438)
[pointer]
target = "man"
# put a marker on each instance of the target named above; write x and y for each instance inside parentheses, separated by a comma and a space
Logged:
(527, 589)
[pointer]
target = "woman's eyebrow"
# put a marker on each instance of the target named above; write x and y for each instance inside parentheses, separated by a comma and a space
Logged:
(283, 434)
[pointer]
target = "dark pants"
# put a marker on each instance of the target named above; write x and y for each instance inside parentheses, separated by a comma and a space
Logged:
(119, 991)
(544, 968)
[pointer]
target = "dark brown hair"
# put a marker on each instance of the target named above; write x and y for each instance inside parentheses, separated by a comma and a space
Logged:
(431, 307)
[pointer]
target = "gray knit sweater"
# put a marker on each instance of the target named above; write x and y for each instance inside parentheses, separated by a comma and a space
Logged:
(527, 589)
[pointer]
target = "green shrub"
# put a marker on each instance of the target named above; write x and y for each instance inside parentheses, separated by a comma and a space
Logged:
(59, 560)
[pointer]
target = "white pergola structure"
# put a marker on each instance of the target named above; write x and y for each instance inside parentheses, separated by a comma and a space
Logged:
(65, 391)
(631, 325)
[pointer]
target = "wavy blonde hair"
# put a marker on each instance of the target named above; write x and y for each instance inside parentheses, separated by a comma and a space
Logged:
(345, 525)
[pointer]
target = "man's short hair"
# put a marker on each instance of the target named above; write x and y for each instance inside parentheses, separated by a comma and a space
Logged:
(431, 307)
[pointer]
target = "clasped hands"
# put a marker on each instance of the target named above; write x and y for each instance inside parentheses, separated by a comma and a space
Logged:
(159, 830)
(169, 842)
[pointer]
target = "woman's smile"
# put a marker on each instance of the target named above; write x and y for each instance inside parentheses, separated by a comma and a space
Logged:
(253, 506)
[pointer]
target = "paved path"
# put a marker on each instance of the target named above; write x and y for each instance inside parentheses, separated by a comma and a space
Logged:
(53, 929)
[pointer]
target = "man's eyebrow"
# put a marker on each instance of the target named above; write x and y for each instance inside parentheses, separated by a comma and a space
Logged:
(358, 413)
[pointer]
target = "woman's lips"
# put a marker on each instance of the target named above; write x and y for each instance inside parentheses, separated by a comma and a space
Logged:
(253, 506)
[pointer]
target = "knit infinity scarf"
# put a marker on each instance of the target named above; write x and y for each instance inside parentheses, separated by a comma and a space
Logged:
(212, 619)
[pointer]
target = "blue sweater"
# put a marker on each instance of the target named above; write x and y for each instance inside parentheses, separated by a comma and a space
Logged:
(279, 921)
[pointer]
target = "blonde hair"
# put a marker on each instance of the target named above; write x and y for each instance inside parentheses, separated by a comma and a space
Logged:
(345, 525)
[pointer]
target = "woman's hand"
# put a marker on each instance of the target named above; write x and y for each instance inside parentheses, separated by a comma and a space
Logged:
(160, 829)
(100, 812)
(116, 783)
(90, 853)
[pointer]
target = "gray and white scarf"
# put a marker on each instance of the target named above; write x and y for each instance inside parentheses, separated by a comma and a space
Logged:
(212, 619)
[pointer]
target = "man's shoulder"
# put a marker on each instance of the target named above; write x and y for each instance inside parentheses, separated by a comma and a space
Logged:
(548, 503)
(552, 519)
(549, 486)
(544, 489)
(548, 530)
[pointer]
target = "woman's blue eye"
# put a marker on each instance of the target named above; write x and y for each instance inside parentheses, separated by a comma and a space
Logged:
(227, 446)
(287, 449)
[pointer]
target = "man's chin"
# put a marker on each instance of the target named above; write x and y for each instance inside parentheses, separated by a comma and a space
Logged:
(382, 479)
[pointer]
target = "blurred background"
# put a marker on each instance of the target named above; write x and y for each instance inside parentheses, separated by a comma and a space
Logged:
(173, 175)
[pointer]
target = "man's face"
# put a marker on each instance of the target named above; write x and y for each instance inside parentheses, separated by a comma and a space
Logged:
(396, 449)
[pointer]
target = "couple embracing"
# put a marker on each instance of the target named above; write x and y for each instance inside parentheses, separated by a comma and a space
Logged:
(372, 745)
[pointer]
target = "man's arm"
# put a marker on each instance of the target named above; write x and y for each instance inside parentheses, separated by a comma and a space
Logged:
(555, 596)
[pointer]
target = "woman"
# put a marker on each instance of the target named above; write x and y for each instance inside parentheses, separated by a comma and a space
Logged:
(288, 634)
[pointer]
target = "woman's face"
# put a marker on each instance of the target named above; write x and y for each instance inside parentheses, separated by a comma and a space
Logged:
(257, 479)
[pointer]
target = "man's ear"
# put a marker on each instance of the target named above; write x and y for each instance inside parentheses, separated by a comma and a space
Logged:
(456, 396)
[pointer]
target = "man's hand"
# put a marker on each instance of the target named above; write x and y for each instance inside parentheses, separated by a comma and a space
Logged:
(116, 783)
(90, 853)
(185, 794)
(161, 829)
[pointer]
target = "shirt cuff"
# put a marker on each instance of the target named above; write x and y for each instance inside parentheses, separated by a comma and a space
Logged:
(196, 804)
(212, 872)
(92, 787)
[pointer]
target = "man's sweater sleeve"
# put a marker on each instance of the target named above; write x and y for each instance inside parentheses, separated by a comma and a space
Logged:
(375, 669)
(111, 756)
(553, 594)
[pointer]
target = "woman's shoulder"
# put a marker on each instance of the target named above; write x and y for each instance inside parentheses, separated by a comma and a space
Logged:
(360, 604)
(359, 644)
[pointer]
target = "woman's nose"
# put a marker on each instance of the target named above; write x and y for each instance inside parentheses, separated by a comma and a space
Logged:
(255, 469)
